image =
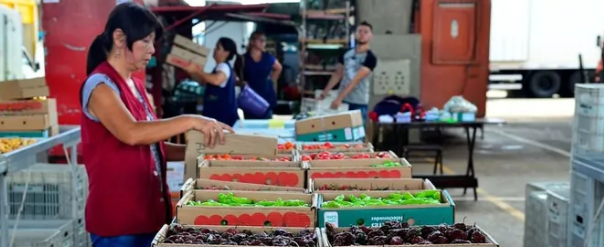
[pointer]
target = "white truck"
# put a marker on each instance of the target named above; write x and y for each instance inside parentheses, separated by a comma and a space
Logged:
(535, 44)
(15, 61)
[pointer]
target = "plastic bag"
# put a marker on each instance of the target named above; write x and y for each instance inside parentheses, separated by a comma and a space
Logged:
(459, 104)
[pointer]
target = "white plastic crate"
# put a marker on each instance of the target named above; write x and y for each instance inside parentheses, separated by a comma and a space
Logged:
(586, 195)
(589, 142)
(589, 100)
(536, 219)
(536, 212)
(42, 233)
(558, 209)
(50, 192)
(594, 125)
(81, 237)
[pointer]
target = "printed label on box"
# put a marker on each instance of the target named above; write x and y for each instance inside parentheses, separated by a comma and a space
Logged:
(348, 133)
(331, 217)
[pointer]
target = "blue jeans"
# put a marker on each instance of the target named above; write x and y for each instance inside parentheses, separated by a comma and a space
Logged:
(362, 108)
(141, 240)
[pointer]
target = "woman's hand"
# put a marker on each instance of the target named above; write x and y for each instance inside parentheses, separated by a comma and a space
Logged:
(211, 129)
(192, 68)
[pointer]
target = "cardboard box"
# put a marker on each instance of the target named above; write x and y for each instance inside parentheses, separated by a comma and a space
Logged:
(317, 147)
(23, 89)
(183, 58)
(369, 184)
(163, 234)
(235, 143)
(191, 46)
(25, 122)
(491, 242)
(209, 184)
(374, 216)
(287, 174)
(31, 107)
(233, 160)
(357, 168)
(341, 127)
(244, 215)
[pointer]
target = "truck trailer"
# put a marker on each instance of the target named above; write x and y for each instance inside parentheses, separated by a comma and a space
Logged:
(535, 45)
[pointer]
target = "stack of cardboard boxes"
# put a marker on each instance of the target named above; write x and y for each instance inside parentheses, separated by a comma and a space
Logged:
(25, 112)
(339, 127)
(185, 52)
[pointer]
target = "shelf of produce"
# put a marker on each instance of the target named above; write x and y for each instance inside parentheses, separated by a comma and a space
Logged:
(25, 157)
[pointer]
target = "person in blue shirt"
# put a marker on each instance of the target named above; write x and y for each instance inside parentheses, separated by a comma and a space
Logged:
(219, 100)
(260, 70)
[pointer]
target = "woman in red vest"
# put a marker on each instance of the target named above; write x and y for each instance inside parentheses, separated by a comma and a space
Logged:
(122, 139)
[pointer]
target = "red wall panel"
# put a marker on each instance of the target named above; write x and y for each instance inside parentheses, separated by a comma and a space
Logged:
(70, 26)
(455, 51)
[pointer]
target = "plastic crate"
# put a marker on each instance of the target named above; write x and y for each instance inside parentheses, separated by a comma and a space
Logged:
(594, 125)
(589, 100)
(586, 195)
(50, 192)
(558, 208)
(536, 219)
(588, 141)
(42, 233)
(81, 237)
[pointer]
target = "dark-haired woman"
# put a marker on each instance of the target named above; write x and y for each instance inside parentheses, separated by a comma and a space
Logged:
(122, 140)
(260, 71)
(219, 99)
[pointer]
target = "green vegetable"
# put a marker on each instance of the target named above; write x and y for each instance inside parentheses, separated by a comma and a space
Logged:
(230, 200)
(427, 197)
(388, 163)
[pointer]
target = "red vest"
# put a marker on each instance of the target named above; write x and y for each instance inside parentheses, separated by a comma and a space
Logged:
(124, 188)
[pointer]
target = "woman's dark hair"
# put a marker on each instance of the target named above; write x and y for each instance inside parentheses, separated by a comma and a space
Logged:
(228, 45)
(134, 20)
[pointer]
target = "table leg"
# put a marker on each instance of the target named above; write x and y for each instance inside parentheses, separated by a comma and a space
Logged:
(471, 141)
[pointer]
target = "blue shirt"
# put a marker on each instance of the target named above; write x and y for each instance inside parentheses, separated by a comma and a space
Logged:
(257, 75)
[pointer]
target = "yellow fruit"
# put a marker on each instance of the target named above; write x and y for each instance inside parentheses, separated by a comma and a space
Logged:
(10, 144)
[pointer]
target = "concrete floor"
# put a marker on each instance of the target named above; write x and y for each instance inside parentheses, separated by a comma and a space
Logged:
(524, 151)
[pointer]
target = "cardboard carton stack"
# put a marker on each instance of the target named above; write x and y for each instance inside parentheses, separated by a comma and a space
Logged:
(185, 52)
(22, 115)
(339, 127)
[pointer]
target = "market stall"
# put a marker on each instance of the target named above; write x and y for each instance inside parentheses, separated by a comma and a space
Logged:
(297, 193)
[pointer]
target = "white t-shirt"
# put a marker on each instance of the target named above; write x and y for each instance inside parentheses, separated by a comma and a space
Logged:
(224, 68)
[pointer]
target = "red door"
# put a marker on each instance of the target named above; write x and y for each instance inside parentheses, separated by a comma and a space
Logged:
(454, 32)
(455, 35)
